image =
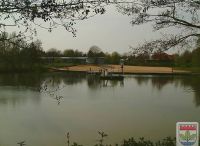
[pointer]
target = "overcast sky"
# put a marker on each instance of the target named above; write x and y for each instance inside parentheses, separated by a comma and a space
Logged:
(111, 31)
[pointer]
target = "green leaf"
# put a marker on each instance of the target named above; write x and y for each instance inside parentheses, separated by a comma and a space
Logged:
(193, 136)
(182, 136)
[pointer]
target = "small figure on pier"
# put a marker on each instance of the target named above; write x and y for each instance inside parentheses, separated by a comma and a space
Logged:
(122, 65)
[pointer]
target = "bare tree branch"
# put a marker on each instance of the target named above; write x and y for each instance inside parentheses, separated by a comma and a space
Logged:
(181, 14)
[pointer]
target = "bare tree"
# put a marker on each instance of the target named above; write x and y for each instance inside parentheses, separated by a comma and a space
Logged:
(26, 14)
(29, 13)
(179, 14)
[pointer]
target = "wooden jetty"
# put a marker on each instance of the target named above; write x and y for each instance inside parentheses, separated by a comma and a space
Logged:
(105, 75)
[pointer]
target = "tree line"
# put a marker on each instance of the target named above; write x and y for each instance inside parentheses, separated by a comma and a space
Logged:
(20, 55)
(189, 58)
(23, 56)
(93, 52)
(158, 58)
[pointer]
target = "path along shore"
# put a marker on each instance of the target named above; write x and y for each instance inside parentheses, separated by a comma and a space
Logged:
(126, 69)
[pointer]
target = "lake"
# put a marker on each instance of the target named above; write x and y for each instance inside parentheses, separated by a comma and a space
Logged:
(41, 108)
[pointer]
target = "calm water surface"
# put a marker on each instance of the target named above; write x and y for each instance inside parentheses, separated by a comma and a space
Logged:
(41, 109)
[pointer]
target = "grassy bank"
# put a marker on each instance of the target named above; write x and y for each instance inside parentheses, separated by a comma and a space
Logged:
(191, 69)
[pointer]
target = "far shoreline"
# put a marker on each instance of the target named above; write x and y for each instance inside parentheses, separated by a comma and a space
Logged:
(127, 70)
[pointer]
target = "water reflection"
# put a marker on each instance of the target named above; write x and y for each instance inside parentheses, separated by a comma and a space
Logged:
(20, 80)
(192, 85)
(15, 88)
(17, 96)
(88, 104)
(12, 84)
(189, 83)
(157, 82)
(94, 82)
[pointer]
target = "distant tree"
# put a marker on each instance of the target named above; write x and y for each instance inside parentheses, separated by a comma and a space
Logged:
(115, 58)
(107, 58)
(189, 58)
(53, 52)
(72, 53)
(79, 53)
(69, 53)
(196, 54)
(196, 57)
(185, 59)
(95, 51)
